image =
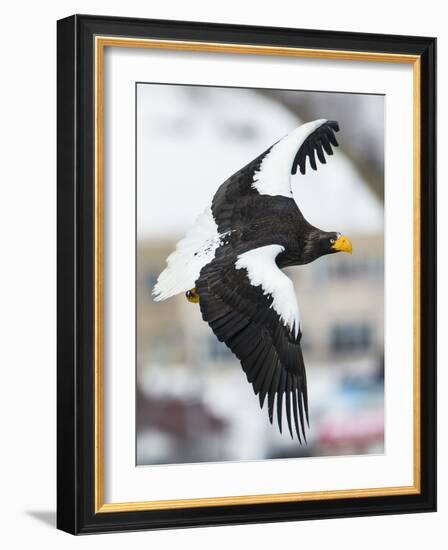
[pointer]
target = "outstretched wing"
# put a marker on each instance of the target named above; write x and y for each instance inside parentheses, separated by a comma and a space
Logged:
(317, 142)
(250, 304)
(270, 173)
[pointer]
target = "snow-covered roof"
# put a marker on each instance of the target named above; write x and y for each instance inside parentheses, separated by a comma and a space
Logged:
(191, 139)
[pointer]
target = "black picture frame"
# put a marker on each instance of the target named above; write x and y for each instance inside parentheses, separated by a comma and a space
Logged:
(76, 511)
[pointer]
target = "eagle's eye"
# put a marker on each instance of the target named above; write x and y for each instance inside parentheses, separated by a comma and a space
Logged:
(332, 241)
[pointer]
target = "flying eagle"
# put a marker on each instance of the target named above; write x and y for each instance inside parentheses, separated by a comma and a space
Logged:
(231, 262)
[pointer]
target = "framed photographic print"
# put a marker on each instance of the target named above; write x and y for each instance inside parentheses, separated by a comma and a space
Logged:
(246, 274)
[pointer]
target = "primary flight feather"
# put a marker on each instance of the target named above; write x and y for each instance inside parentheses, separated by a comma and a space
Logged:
(231, 261)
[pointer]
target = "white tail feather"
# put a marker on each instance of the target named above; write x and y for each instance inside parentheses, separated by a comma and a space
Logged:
(192, 253)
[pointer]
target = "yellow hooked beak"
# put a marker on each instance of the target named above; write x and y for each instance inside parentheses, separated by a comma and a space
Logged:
(343, 244)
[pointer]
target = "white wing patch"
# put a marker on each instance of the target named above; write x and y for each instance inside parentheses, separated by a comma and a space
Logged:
(262, 270)
(274, 174)
(192, 253)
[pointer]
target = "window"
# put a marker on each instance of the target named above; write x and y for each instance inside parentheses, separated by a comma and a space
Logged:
(218, 350)
(351, 338)
(355, 268)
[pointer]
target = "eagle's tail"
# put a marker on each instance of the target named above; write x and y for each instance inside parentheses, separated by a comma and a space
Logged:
(192, 253)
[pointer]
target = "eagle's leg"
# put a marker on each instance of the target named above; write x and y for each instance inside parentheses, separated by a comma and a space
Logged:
(192, 296)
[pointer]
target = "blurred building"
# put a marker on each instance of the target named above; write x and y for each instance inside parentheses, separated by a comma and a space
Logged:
(341, 303)
(340, 300)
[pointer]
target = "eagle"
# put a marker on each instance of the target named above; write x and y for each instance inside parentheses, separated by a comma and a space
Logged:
(231, 263)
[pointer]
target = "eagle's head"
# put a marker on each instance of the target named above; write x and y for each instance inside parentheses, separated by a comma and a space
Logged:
(336, 242)
(319, 243)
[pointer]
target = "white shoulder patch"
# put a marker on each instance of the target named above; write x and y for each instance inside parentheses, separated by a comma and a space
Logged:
(274, 174)
(192, 253)
(262, 270)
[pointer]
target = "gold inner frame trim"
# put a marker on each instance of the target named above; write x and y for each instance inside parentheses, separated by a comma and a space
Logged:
(101, 42)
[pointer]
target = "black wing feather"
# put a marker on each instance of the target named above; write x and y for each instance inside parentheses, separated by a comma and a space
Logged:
(296, 419)
(324, 138)
(288, 404)
(269, 353)
(320, 153)
(280, 392)
(273, 392)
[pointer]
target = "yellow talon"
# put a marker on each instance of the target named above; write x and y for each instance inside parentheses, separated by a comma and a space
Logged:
(192, 297)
